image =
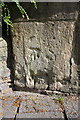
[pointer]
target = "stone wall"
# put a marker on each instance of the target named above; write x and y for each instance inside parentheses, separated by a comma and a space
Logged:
(4, 70)
(45, 48)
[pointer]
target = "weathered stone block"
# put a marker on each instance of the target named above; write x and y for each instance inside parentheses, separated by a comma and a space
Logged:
(4, 71)
(3, 52)
(44, 48)
(71, 107)
(3, 43)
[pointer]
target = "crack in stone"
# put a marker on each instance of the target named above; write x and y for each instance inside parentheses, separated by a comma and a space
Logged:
(17, 108)
(78, 71)
(63, 110)
(65, 116)
(62, 107)
(24, 61)
(70, 68)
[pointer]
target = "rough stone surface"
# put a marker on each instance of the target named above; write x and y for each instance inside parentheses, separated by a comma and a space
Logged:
(9, 106)
(37, 104)
(1, 110)
(5, 88)
(4, 70)
(39, 115)
(45, 48)
(71, 105)
(25, 105)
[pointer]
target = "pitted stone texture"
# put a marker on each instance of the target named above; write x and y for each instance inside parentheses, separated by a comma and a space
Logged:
(2, 43)
(1, 111)
(9, 106)
(43, 52)
(40, 52)
(35, 106)
(4, 71)
(3, 50)
(4, 87)
(71, 106)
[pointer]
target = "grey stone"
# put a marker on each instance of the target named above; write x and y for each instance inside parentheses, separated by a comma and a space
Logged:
(39, 104)
(47, 106)
(3, 43)
(71, 107)
(40, 115)
(36, 68)
(9, 105)
(45, 48)
(65, 88)
(3, 51)
(3, 58)
(1, 111)
(5, 88)
(4, 70)
(26, 108)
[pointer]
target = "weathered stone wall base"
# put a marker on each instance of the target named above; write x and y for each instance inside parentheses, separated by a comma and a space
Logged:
(43, 55)
(4, 70)
(45, 48)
